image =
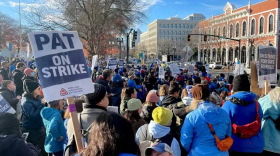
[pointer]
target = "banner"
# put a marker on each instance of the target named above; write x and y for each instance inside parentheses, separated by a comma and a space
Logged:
(174, 68)
(190, 70)
(112, 63)
(207, 67)
(61, 64)
(27, 51)
(267, 64)
(161, 73)
(158, 62)
(121, 63)
(238, 69)
(94, 62)
(5, 107)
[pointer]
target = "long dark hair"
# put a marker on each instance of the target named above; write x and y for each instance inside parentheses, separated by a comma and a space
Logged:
(127, 92)
(132, 116)
(174, 87)
(111, 134)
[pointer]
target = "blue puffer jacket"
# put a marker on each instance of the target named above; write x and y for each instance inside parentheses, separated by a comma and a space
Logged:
(126, 154)
(242, 112)
(270, 133)
(115, 99)
(213, 86)
(196, 136)
(54, 129)
(31, 109)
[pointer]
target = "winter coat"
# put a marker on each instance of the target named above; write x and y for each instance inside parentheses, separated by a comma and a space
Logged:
(169, 102)
(159, 131)
(270, 133)
(12, 145)
(10, 97)
(242, 111)
(213, 86)
(88, 116)
(220, 90)
(137, 124)
(196, 137)
(54, 129)
(29, 78)
(126, 154)
(146, 113)
(5, 74)
(123, 105)
(31, 108)
(115, 99)
(105, 84)
(18, 75)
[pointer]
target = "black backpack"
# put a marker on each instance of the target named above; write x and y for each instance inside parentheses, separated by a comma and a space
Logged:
(276, 123)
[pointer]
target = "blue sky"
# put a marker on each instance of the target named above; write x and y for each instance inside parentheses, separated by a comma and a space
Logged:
(158, 9)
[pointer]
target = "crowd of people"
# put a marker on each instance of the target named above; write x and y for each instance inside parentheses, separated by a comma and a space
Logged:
(178, 115)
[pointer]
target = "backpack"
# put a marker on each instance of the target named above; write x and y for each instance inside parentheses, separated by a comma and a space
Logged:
(71, 149)
(149, 140)
(276, 122)
(248, 130)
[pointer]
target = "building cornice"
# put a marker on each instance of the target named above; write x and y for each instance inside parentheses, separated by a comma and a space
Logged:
(229, 17)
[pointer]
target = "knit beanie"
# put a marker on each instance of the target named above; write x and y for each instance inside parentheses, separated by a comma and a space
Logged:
(8, 122)
(95, 97)
(152, 97)
(241, 83)
(200, 92)
(27, 71)
(162, 116)
(52, 103)
(29, 86)
(134, 104)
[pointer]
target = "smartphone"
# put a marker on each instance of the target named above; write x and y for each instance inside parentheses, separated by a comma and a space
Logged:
(25, 136)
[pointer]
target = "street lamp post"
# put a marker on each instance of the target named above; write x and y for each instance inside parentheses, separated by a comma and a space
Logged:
(120, 41)
(251, 41)
(174, 50)
(127, 46)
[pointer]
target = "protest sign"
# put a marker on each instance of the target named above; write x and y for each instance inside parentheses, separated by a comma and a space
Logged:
(158, 62)
(207, 67)
(238, 69)
(267, 64)
(121, 63)
(61, 64)
(174, 68)
(5, 107)
(161, 73)
(94, 62)
(190, 69)
(112, 63)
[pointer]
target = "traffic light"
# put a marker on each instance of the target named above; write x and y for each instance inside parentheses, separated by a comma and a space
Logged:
(133, 44)
(205, 38)
(189, 38)
(135, 35)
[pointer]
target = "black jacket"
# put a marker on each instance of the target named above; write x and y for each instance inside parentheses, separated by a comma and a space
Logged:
(28, 78)
(5, 73)
(170, 101)
(18, 75)
(11, 145)
(146, 113)
(105, 84)
(9, 96)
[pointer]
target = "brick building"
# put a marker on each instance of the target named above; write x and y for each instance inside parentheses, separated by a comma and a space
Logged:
(255, 24)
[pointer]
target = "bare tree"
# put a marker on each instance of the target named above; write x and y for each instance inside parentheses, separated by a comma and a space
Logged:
(96, 21)
(165, 47)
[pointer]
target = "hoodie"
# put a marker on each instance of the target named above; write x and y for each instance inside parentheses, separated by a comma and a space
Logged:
(12, 145)
(159, 131)
(241, 108)
(54, 129)
(196, 136)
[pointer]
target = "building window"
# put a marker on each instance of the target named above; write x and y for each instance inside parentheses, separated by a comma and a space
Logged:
(224, 31)
(179, 32)
(209, 36)
(237, 30)
(214, 32)
(253, 27)
(184, 26)
(183, 32)
(159, 32)
(172, 38)
(171, 32)
(167, 25)
(191, 27)
(219, 31)
(270, 24)
(175, 26)
(231, 31)
(163, 25)
(167, 32)
(179, 26)
(244, 29)
(160, 25)
(175, 32)
(171, 25)
(261, 25)
(163, 32)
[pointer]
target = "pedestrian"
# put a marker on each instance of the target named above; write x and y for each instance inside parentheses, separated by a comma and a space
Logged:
(95, 104)
(196, 136)
(127, 94)
(17, 76)
(246, 115)
(12, 67)
(55, 132)
(222, 88)
(149, 106)
(271, 111)
(111, 135)
(159, 128)
(116, 91)
(29, 75)
(213, 85)
(163, 93)
(5, 70)
(107, 76)
(11, 141)
(173, 96)
(32, 122)
(8, 92)
(132, 114)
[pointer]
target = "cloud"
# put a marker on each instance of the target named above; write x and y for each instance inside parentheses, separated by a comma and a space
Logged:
(180, 3)
(3, 4)
(176, 16)
(147, 4)
(214, 7)
(24, 5)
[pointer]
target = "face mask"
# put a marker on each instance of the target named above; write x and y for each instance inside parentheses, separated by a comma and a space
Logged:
(32, 74)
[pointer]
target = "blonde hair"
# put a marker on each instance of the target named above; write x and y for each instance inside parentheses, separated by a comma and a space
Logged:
(274, 95)
(195, 102)
(184, 93)
(163, 90)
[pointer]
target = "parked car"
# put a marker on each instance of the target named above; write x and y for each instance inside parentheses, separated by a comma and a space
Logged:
(215, 65)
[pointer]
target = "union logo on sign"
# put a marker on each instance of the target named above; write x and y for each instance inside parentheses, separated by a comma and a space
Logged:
(63, 92)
